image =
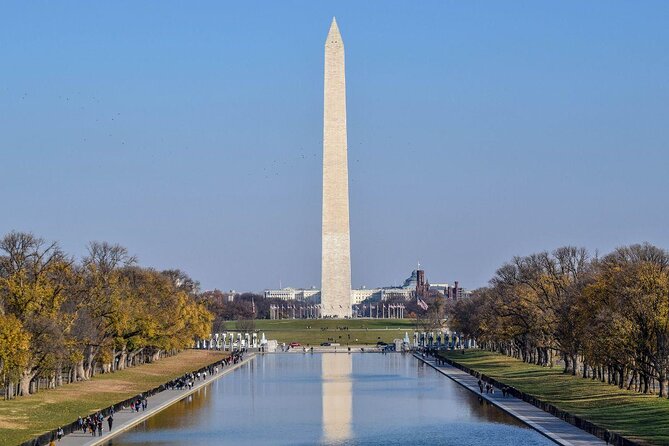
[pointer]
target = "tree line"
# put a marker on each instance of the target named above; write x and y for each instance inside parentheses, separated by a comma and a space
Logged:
(603, 318)
(63, 320)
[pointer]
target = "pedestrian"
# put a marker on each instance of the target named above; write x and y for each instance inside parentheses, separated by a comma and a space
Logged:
(99, 428)
(481, 386)
(80, 423)
(60, 433)
(110, 421)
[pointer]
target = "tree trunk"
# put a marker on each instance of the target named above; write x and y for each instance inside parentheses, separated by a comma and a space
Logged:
(661, 380)
(79, 372)
(24, 382)
(89, 360)
(123, 358)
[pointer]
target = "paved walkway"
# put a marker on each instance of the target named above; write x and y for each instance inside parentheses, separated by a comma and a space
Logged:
(552, 427)
(126, 419)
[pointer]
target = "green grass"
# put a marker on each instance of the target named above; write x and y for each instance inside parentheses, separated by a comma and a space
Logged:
(26, 417)
(316, 331)
(644, 418)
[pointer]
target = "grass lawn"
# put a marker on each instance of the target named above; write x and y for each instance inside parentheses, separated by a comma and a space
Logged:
(316, 331)
(644, 418)
(26, 417)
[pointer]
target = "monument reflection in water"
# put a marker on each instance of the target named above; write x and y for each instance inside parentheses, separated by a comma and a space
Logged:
(337, 372)
(331, 399)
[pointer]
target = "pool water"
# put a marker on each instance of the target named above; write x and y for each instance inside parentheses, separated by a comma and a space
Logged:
(332, 399)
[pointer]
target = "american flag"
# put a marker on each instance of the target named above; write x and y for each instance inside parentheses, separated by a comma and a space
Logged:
(421, 303)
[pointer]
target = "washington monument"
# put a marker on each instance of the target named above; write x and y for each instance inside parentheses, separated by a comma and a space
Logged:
(336, 249)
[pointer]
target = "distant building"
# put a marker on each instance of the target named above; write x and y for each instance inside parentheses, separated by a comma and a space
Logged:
(440, 287)
(298, 294)
(283, 294)
(397, 293)
(454, 292)
(422, 286)
(230, 295)
(360, 295)
(415, 285)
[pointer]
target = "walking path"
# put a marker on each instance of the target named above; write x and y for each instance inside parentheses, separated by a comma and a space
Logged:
(126, 419)
(554, 428)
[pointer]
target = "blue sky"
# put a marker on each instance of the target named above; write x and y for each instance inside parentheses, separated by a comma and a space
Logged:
(190, 132)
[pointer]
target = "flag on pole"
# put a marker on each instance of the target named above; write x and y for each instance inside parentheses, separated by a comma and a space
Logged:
(421, 303)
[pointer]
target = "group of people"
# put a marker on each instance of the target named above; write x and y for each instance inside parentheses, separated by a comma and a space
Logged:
(140, 403)
(489, 388)
(93, 423)
(187, 381)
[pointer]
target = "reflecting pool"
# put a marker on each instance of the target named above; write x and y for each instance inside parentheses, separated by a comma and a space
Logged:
(332, 399)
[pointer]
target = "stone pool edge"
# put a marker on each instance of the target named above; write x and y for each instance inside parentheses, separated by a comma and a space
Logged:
(581, 437)
(70, 440)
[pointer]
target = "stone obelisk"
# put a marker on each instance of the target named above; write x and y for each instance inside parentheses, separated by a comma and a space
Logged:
(336, 249)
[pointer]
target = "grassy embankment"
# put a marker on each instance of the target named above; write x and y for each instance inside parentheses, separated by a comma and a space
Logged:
(644, 418)
(316, 331)
(26, 417)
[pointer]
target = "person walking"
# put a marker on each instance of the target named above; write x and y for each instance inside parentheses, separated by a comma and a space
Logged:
(60, 433)
(110, 421)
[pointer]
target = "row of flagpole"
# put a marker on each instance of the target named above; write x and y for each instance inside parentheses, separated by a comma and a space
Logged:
(383, 311)
(314, 311)
(292, 311)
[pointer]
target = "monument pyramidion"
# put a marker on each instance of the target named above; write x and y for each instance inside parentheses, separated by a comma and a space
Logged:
(336, 248)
